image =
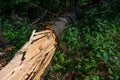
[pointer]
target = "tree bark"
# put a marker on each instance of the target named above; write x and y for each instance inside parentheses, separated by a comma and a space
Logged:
(31, 60)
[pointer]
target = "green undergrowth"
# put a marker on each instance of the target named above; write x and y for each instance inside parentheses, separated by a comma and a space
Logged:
(90, 47)
(16, 32)
(85, 53)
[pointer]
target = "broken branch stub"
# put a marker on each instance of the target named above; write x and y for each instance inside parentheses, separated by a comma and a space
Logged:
(59, 25)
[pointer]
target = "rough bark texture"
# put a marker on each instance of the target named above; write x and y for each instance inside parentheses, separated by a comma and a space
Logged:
(32, 59)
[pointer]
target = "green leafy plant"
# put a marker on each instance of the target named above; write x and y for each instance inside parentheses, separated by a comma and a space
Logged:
(16, 33)
(72, 38)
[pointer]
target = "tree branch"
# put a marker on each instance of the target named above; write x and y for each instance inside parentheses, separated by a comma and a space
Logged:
(42, 8)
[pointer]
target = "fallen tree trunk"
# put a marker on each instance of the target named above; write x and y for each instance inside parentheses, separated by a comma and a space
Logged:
(31, 60)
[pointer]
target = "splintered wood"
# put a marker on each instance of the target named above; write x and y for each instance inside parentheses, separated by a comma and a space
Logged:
(32, 59)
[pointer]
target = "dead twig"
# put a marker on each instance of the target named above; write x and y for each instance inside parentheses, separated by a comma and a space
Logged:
(38, 19)
(42, 8)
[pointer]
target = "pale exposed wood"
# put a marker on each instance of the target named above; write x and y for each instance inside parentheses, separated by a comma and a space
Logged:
(37, 56)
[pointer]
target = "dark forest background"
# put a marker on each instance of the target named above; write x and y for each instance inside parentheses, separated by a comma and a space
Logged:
(89, 48)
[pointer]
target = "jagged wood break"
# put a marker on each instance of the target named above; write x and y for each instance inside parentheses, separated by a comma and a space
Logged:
(31, 60)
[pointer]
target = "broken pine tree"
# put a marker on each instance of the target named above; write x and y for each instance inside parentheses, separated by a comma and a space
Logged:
(31, 60)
